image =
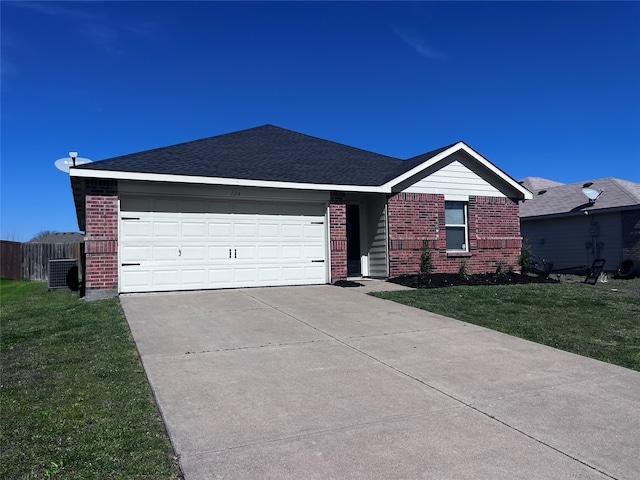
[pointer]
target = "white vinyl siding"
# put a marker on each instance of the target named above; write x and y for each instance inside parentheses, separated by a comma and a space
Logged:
(456, 180)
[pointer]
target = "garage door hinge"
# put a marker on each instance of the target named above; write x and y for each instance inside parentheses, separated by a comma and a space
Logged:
(317, 261)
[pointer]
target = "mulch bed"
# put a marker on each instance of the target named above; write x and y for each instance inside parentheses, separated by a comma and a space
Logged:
(440, 280)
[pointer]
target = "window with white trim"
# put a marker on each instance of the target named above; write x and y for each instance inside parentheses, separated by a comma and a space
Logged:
(456, 226)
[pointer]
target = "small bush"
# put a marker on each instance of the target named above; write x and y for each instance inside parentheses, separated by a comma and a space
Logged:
(426, 260)
(500, 267)
(463, 269)
(524, 259)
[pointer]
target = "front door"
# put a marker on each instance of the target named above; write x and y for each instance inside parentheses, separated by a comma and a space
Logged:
(354, 268)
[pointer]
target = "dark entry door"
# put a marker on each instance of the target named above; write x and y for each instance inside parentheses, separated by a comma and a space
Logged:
(353, 241)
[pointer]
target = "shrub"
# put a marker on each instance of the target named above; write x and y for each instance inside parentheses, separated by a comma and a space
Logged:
(524, 259)
(463, 269)
(426, 260)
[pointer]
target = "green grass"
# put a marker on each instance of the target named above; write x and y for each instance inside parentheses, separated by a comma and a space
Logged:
(74, 399)
(590, 320)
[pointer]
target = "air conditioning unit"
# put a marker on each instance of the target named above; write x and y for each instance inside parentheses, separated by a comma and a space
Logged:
(64, 273)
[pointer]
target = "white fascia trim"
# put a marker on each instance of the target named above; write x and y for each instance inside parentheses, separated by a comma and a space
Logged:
(451, 150)
(235, 182)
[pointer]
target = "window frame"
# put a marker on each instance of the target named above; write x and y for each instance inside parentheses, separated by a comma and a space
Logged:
(464, 226)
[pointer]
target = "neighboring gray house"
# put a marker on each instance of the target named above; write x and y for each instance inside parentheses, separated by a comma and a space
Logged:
(565, 227)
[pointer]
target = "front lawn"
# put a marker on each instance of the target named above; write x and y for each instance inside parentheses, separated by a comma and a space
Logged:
(601, 321)
(74, 398)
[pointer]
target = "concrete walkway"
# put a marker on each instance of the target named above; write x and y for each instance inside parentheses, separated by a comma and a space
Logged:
(324, 382)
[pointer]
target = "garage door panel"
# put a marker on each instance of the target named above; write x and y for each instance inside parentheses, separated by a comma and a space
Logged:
(245, 230)
(194, 278)
(312, 272)
(248, 274)
(165, 229)
(169, 277)
(313, 231)
(163, 253)
(136, 229)
(207, 243)
(133, 280)
(245, 252)
(313, 252)
(292, 273)
(220, 276)
(292, 252)
(268, 253)
(292, 231)
(140, 253)
(217, 253)
(194, 253)
(220, 230)
(269, 274)
(269, 230)
(194, 230)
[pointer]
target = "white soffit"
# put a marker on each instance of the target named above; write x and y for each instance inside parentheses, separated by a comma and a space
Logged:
(235, 182)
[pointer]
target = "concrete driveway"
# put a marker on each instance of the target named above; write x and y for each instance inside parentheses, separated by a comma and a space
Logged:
(325, 382)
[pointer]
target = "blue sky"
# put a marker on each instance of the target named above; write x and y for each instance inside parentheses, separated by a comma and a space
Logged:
(549, 89)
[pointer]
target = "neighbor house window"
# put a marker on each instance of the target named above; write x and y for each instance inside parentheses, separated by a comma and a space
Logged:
(455, 214)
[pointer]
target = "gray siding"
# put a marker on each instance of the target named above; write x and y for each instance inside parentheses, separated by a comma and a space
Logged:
(377, 220)
(567, 241)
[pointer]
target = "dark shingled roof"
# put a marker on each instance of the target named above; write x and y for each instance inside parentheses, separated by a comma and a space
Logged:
(266, 153)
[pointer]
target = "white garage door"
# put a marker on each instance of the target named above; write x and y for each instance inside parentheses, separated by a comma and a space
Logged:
(179, 244)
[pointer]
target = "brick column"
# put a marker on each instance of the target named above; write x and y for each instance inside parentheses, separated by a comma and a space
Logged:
(101, 239)
(338, 236)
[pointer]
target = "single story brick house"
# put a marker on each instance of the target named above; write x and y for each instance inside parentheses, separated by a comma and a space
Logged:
(268, 206)
(568, 229)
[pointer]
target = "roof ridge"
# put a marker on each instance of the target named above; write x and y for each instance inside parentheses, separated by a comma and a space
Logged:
(630, 193)
(332, 141)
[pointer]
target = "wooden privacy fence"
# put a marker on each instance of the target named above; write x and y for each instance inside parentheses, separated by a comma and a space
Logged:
(10, 260)
(30, 261)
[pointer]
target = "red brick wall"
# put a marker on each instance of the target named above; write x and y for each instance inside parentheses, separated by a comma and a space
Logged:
(338, 236)
(101, 235)
(416, 219)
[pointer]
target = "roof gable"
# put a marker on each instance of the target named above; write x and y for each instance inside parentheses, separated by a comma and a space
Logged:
(417, 167)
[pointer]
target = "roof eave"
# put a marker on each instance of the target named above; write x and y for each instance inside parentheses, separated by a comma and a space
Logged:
(236, 182)
(592, 211)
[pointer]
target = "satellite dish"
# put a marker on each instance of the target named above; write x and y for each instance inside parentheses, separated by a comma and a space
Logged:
(591, 194)
(64, 164)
